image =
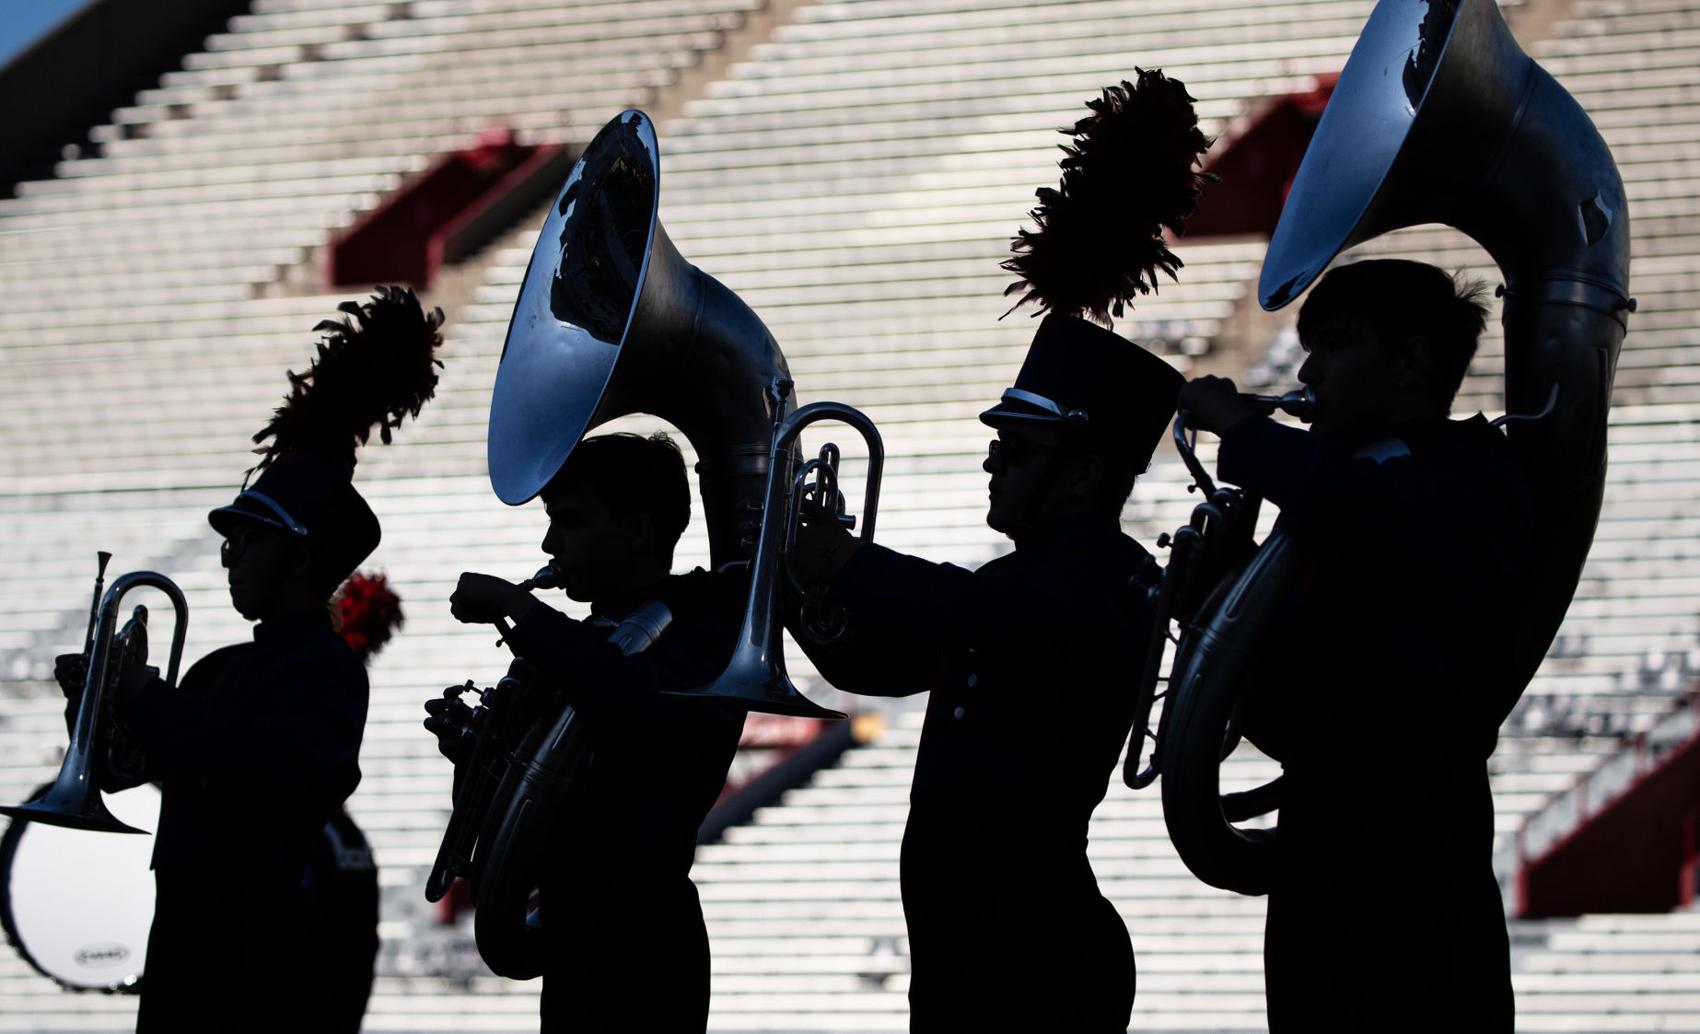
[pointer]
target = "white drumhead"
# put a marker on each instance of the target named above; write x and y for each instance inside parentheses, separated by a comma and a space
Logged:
(79, 904)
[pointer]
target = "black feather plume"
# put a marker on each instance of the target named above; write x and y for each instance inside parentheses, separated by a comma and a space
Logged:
(373, 368)
(1128, 175)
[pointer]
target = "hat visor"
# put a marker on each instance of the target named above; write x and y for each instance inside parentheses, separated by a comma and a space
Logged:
(1015, 413)
(226, 519)
(254, 509)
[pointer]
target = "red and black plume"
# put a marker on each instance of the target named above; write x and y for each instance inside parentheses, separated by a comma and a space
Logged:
(1128, 175)
(368, 613)
(374, 368)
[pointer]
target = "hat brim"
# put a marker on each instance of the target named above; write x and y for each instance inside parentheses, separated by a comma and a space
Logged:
(227, 519)
(1010, 413)
(248, 512)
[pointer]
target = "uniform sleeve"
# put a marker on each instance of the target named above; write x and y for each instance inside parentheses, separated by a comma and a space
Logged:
(594, 675)
(278, 733)
(1463, 519)
(877, 658)
(1022, 608)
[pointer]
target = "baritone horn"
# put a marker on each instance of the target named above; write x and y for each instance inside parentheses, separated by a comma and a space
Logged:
(1439, 117)
(98, 744)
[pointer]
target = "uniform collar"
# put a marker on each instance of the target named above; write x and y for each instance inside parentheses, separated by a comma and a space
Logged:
(1441, 429)
(1067, 535)
(304, 625)
(615, 608)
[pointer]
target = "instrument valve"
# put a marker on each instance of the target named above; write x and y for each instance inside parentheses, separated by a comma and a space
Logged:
(454, 692)
(1164, 540)
(749, 527)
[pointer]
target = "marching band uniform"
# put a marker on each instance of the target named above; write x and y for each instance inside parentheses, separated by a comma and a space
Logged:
(1383, 886)
(342, 876)
(627, 946)
(1027, 659)
(256, 750)
(342, 881)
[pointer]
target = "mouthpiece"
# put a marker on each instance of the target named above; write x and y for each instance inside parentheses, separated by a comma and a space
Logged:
(1300, 403)
(547, 577)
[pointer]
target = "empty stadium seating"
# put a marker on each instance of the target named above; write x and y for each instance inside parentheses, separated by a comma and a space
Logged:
(855, 178)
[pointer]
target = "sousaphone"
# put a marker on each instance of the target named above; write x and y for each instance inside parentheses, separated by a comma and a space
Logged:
(1439, 117)
(611, 321)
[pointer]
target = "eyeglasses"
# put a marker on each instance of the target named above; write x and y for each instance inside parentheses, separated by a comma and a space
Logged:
(1015, 450)
(238, 543)
(232, 548)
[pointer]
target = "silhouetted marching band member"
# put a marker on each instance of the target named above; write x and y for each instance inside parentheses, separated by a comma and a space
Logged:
(1029, 658)
(256, 749)
(342, 874)
(1382, 688)
(627, 947)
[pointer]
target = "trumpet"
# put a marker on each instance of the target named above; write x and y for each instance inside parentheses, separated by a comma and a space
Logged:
(74, 798)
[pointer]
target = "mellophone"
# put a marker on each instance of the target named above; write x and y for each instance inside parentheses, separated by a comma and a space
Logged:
(77, 906)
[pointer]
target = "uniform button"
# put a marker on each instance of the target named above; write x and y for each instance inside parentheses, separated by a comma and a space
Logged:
(959, 712)
(973, 680)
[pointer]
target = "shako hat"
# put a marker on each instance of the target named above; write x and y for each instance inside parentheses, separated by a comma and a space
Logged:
(1089, 379)
(308, 498)
(1127, 176)
(372, 370)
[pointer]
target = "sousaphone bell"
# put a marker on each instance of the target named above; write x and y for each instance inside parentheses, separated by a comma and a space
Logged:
(610, 321)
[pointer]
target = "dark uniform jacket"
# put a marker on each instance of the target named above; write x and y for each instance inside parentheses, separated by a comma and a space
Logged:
(1029, 660)
(628, 947)
(1382, 691)
(256, 751)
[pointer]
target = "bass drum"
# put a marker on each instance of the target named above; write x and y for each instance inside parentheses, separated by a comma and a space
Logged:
(78, 904)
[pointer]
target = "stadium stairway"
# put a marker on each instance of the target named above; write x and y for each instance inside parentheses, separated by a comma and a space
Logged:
(855, 178)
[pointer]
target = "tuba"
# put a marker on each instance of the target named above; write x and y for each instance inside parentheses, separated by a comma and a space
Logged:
(99, 752)
(1439, 117)
(611, 321)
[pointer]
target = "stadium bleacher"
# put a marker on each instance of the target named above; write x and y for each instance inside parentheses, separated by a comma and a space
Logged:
(855, 177)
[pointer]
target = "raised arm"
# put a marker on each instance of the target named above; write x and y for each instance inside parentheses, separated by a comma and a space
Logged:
(1461, 515)
(594, 675)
